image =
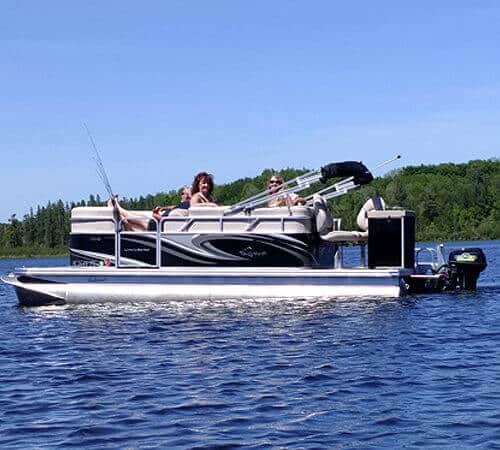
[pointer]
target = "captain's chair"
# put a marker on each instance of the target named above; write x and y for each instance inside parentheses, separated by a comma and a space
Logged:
(325, 226)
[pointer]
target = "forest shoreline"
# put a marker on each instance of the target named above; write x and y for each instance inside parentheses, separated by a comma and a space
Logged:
(452, 203)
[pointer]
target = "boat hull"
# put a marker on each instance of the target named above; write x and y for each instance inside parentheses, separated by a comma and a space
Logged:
(70, 285)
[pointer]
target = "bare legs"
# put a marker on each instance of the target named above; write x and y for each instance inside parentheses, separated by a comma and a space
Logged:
(131, 221)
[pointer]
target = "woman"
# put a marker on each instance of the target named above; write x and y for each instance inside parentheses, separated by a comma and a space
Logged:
(274, 186)
(201, 190)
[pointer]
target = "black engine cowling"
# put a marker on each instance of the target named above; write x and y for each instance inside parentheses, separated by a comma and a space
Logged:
(465, 266)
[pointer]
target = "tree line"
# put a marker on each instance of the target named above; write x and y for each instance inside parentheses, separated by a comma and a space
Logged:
(451, 202)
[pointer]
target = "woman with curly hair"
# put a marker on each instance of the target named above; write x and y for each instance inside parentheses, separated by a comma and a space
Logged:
(201, 190)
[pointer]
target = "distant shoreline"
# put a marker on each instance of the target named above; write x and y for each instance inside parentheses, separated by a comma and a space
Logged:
(35, 253)
(7, 257)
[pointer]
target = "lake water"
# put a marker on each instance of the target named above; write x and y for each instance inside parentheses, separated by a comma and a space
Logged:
(420, 371)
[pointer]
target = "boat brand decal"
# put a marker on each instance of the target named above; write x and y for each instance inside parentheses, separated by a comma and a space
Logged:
(250, 253)
(136, 250)
(81, 263)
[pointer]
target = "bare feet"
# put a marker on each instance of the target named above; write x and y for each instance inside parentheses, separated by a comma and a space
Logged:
(113, 202)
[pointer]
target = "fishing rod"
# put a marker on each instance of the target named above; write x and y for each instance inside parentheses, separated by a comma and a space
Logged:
(382, 164)
(101, 171)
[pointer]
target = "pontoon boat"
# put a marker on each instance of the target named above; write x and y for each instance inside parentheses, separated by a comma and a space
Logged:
(249, 250)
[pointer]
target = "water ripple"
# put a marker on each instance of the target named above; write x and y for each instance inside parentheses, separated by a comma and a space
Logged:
(421, 371)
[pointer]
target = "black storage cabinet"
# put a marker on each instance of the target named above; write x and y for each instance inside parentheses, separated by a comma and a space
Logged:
(391, 239)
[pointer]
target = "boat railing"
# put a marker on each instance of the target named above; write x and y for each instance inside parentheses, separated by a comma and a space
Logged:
(429, 259)
(185, 226)
(121, 231)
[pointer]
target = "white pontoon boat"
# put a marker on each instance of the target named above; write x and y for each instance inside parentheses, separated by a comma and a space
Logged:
(247, 250)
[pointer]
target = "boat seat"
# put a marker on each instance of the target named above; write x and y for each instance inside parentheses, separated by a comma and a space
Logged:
(178, 212)
(205, 211)
(324, 222)
(98, 219)
(282, 211)
(346, 237)
(339, 238)
(372, 204)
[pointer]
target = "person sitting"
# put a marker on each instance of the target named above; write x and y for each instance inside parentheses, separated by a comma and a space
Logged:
(185, 198)
(131, 221)
(201, 190)
(134, 221)
(159, 212)
(274, 186)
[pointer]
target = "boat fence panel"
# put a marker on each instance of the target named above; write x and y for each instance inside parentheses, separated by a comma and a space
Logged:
(97, 239)
(99, 219)
(296, 219)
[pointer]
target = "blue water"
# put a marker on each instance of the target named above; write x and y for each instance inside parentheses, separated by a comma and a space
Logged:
(421, 371)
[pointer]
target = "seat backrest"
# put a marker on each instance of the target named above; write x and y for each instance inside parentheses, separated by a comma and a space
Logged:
(372, 204)
(205, 211)
(99, 219)
(282, 211)
(178, 212)
(324, 220)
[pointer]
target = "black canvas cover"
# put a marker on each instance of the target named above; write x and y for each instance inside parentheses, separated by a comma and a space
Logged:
(347, 169)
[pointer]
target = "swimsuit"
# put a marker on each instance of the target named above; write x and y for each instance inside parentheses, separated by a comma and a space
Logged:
(205, 199)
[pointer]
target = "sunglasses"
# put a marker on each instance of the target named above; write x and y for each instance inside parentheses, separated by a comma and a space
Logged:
(274, 182)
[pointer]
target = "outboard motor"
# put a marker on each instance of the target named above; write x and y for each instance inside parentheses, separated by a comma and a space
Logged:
(465, 265)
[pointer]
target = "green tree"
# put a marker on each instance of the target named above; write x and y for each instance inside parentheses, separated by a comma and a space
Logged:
(451, 202)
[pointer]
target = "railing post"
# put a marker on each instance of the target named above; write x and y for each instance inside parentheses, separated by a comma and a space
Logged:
(117, 242)
(159, 225)
(362, 255)
(338, 261)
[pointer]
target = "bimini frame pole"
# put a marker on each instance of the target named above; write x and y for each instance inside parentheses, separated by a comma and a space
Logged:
(356, 172)
(342, 187)
(294, 185)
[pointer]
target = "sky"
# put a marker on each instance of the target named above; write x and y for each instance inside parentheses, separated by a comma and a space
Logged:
(172, 88)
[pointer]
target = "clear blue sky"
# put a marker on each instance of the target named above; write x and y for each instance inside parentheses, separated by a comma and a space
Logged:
(169, 88)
